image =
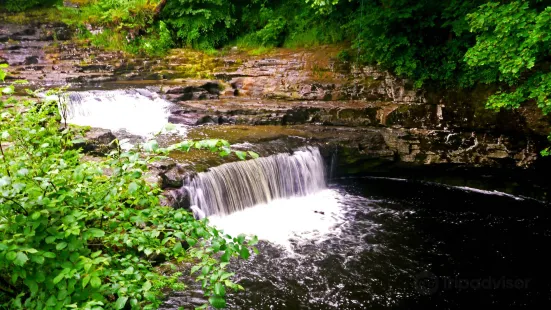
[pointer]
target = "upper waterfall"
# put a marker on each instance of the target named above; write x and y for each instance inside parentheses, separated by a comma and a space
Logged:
(137, 111)
(235, 186)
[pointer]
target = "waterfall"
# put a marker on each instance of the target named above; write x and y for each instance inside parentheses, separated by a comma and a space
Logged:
(137, 111)
(236, 186)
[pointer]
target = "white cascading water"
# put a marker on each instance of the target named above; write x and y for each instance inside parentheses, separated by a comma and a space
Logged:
(275, 197)
(236, 186)
(137, 111)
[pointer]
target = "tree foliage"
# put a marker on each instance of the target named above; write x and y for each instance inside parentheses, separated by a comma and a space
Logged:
(203, 24)
(22, 5)
(514, 42)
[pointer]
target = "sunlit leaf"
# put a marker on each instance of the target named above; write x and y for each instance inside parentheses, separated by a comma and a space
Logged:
(95, 282)
(121, 302)
(241, 155)
(253, 154)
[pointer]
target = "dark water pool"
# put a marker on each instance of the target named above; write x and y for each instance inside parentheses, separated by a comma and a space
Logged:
(409, 245)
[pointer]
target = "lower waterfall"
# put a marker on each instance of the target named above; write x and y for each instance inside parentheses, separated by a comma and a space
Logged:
(236, 186)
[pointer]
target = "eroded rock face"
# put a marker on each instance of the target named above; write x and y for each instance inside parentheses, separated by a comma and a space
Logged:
(360, 149)
(97, 141)
(175, 176)
(369, 116)
(309, 75)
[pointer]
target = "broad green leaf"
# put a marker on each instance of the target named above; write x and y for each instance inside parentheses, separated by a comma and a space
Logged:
(11, 255)
(194, 269)
(40, 276)
(151, 146)
(224, 151)
(35, 216)
(178, 247)
(217, 302)
(95, 282)
(244, 253)
(225, 257)
(241, 155)
(95, 232)
(241, 238)
(215, 246)
(150, 296)
(146, 286)
(211, 143)
(49, 254)
(133, 187)
(59, 277)
(253, 241)
(62, 294)
(219, 289)
(60, 246)
(39, 259)
(20, 259)
(52, 301)
(121, 302)
(253, 155)
(184, 146)
(85, 281)
(226, 275)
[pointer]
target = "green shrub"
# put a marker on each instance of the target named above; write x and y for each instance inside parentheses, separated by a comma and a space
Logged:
(200, 24)
(22, 5)
(90, 234)
(156, 42)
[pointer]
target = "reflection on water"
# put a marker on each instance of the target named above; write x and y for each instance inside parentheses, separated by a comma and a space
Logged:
(398, 245)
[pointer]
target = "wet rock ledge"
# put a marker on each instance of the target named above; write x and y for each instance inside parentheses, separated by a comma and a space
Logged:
(369, 118)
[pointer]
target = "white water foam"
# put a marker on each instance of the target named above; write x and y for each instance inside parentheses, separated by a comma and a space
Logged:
(280, 221)
(486, 192)
(138, 112)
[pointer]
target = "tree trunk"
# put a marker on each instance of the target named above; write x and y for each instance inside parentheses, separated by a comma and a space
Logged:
(158, 9)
